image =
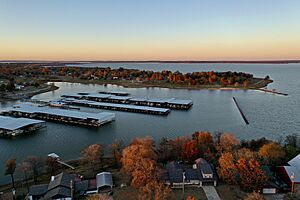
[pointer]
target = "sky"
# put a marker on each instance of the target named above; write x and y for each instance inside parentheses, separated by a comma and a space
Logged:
(149, 29)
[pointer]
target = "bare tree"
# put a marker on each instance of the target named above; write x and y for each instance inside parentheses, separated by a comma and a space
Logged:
(10, 167)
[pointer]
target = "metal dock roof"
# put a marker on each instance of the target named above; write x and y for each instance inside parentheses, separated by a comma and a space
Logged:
(118, 93)
(31, 109)
(11, 123)
(117, 105)
(132, 99)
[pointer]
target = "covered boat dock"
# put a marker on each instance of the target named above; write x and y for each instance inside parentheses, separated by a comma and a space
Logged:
(116, 106)
(171, 103)
(60, 115)
(10, 126)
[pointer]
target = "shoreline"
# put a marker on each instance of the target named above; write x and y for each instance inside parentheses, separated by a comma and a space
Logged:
(129, 84)
(19, 95)
(126, 84)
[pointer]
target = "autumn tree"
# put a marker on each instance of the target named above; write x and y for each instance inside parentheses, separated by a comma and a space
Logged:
(251, 175)
(155, 190)
(254, 196)
(116, 150)
(189, 151)
(227, 169)
(245, 153)
(165, 149)
(52, 165)
(92, 155)
(272, 153)
(36, 165)
(205, 145)
(10, 167)
(227, 142)
(191, 198)
(139, 160)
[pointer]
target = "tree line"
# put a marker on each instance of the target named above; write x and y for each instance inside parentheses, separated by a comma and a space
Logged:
(237, 162)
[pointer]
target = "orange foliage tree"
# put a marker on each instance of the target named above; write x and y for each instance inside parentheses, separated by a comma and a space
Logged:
(272, 153)
(251, 175)
(227, 142)
(92, 155)
(139, 160)
(227, 169)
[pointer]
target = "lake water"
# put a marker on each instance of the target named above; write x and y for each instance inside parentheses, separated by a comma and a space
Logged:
(271, 116)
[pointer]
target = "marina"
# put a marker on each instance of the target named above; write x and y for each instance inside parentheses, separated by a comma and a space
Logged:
(171, 103)
(29, 110)
(116, 106)
(10, 126)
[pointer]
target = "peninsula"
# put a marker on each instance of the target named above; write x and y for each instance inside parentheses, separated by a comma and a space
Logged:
(23, 80)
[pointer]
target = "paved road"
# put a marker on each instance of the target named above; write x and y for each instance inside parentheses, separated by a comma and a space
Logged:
(211, 193)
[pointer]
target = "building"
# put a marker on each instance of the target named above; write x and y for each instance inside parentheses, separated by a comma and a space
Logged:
(104, 182)
(10, 126)
(63, 186)
(291, 173)
(181, 174)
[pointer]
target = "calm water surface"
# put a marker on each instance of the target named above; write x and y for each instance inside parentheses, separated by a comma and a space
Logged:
(270, 116)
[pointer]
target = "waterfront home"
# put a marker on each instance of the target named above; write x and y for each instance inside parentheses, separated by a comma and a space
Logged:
(291, 173)
(63, 186)
(200, 173)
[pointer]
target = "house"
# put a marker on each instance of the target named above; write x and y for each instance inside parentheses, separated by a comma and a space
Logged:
(63, 186)
(180, 174)
(206, 172)
(104, 182)
(291, 173)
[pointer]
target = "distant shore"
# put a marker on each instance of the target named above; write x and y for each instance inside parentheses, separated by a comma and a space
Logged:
(53, 62)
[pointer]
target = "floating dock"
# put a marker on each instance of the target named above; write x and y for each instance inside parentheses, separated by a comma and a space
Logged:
(171, 103)
(46, 113)
(10, 126)
(116, 106)
(243, 116)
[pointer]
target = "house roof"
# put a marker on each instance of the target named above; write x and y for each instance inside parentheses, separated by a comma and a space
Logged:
(173, 165)
(175, 175)
(291, 170)
(58, 192)
(191, 174)
(38, 190)
(295, 161)
(104, 179)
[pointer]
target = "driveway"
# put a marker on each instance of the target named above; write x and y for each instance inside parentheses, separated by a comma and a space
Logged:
(211, 193)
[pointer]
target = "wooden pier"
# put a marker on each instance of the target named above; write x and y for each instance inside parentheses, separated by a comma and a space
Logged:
(272, 91)
(240, 110)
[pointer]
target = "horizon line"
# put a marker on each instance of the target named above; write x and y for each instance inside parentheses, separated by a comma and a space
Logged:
(155, 61)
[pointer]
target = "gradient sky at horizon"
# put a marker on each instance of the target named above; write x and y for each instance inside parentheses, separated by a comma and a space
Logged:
(149, 30)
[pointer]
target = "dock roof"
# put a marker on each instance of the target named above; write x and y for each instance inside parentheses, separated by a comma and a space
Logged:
(32, 108)
(116, 105)
(11, 123)
(132, 99)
